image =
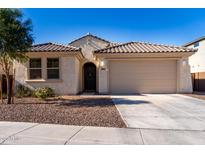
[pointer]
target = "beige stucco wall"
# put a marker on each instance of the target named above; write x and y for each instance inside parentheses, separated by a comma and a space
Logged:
(88, 45)
(184, 82)
(103, 81)
(197, 61)
(69, 74)
(78, 75)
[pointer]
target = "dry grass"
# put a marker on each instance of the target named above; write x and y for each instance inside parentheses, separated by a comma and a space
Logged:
(68, 110)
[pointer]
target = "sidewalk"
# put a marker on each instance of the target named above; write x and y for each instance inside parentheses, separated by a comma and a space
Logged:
(34, 133)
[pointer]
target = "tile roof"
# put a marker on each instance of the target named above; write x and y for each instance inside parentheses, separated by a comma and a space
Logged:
(112, 44)
(88, 34)
(194, 41)
(53, 47)
(142, 47)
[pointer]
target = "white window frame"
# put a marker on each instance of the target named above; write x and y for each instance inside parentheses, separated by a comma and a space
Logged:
(52, 68)
(35, 68)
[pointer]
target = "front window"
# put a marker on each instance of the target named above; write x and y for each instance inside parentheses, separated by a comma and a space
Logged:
(35, 68)
(196, 44)
(53, 68)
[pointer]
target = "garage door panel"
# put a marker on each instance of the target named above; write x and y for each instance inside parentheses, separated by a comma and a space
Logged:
(157, 76)
(159, 87)
(146, 76)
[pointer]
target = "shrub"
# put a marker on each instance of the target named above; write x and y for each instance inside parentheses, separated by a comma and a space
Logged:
(4, 96)
(23, 91)
(43, 92)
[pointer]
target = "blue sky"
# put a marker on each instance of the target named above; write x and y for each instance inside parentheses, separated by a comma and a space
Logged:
(164, 26)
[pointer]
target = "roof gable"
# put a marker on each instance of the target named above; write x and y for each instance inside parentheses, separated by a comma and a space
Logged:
(87, 36)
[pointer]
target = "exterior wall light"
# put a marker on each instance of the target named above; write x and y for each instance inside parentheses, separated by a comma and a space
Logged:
(102, 64)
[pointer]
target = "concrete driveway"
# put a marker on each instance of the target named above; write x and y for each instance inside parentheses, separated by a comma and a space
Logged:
(162, 111)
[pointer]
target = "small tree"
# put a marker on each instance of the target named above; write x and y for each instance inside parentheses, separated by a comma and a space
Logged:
(15, 40)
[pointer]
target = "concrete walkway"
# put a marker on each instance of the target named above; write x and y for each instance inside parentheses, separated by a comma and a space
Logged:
(34, 133)
(162, 111)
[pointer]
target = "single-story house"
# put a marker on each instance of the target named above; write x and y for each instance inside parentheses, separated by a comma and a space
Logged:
(197, 63)
(93, 64)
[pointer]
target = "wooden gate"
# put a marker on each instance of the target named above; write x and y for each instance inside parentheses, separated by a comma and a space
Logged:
(3, 85)
(198, 81)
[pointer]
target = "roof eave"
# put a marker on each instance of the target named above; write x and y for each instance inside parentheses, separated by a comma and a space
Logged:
(77, 52)
(154, 54)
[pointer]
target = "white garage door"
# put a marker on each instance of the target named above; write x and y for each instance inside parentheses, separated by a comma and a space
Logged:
(142, 76)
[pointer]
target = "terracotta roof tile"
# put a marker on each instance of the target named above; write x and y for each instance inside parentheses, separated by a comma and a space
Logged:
(142, 47)
(53, 47)
(112, 44)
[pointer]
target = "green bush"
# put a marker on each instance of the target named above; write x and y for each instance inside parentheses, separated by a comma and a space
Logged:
(43, 93)
(4, 95)
(23, 91)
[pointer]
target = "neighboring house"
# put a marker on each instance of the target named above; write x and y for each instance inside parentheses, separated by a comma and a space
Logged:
(94, 64)
(197, 63)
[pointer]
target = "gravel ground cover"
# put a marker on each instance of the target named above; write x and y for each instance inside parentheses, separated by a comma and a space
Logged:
(68, 110)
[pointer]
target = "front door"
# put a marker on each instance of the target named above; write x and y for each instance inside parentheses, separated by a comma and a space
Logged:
(89, 77)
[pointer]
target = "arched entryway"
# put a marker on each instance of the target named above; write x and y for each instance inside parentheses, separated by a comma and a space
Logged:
(89, 77)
